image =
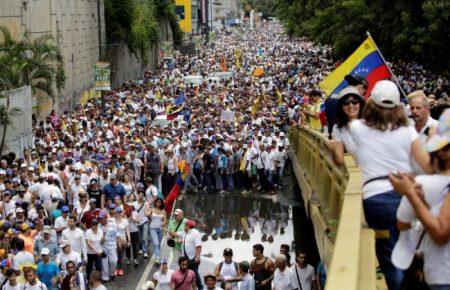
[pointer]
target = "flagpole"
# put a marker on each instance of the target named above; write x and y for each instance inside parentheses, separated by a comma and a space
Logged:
(389, 68)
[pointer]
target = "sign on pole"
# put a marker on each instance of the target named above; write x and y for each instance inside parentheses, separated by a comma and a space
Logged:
(102, 76)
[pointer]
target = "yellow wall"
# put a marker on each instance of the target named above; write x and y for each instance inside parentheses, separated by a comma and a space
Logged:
(185, 24)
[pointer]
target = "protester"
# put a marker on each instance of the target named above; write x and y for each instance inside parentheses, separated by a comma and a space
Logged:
(303, 274)
(183, 278)
(95, 282)
(262, 268)
(426, 198)
(227, 271)
(248, 283)
(384, 133)
(349, 107)
(47, 270)
(162, 278)
(157, 224)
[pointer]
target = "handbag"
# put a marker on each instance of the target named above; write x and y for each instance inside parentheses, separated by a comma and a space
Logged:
(171, 242)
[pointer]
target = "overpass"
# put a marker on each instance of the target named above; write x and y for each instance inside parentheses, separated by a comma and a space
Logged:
(333, 201)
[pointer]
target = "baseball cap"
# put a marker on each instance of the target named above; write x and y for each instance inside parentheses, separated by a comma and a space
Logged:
(19, 209)
(92, 200)
(113, 177)
(148, 285)
(228, 252)
(163, 261)
(178, 211)
(45, 251)
(2, 172)
(190, 224)
(442, 136)
(46, 229)
(95, 222)
(385, 94)
(349, 90)
(405, 248)
(65, 209)
(244, 266)
(119, 209)
(112, 206)
(102, 215)
(64, 243)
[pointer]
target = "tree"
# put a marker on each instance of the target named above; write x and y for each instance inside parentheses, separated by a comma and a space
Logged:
(26, 62)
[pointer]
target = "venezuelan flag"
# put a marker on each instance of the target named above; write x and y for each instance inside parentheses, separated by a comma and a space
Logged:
(184, 169)
(366, 62)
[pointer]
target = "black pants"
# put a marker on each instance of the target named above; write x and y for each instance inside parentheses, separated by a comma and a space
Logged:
(93, 259)
(134, 236)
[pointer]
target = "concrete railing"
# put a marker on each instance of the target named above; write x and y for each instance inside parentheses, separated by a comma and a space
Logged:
(333, 199)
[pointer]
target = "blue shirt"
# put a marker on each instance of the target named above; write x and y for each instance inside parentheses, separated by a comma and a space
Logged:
(110, 191)
(47, 272)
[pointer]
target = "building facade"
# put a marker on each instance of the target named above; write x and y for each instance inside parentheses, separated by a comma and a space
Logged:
(78, 28)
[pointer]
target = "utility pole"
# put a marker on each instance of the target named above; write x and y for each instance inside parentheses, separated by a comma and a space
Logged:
(206, 7)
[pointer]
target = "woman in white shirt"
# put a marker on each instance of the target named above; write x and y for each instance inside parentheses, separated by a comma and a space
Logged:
(163, 276)
(385, 144)
(128, 185)
(157, 225)
(349, 107)
(427, 199)
(94, 237)
(124, 240)
(81, 206)
(11, 283)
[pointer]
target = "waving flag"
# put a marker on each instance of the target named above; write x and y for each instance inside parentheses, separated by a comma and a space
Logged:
(183, 167)
(180, 99)
(366, 62)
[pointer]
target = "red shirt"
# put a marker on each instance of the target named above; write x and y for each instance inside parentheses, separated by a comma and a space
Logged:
(178, 277)
(89, 216)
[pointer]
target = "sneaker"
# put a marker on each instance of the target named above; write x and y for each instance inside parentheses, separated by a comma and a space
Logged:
(128, 261)
(140, 252)
(120, 272)
(146, 256)
(136, 262)
(116, 273)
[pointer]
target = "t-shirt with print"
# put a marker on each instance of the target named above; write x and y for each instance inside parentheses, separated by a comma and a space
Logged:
(178, 277)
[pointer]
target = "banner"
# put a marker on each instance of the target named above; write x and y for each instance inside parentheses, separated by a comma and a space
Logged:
(167, 49)
(102, 76)
(227, 115)
(198, 42)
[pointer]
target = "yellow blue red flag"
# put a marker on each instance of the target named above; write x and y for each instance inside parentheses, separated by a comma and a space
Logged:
(366, 62)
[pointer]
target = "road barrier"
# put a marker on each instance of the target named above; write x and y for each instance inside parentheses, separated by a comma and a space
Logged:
(333, 201)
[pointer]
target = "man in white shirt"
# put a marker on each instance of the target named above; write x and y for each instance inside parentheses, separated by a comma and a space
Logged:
(151, 193)
(282, 278)
(67, 255)
(62, 222)
(421, 120)
(192, 248)
(76, 238)
(304, 274)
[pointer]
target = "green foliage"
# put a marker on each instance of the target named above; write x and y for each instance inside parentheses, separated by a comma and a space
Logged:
(30, 62)
(136, 22)
(412, 30)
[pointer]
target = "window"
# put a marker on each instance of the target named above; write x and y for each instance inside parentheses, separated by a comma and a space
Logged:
(179, 10)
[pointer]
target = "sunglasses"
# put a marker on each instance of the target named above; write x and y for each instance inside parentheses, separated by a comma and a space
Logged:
(348, 102)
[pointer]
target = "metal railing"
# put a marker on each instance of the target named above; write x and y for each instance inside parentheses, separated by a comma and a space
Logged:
(333, 198)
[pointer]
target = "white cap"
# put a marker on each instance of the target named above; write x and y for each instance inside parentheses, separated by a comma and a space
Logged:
(2, 172)
(349, 90)
(45, 251)
(281, 133)
(64, 243)
(178, 211)
(23, 165)
(405, 248)
(385, 94)
(147, 285)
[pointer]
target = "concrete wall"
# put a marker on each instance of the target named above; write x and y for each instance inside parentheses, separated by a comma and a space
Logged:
(75, 26)
(19, 134)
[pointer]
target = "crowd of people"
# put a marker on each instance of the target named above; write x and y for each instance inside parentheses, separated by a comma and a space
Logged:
(90, 195)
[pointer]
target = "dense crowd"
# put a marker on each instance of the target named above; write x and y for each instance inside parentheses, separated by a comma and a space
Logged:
(90, 195)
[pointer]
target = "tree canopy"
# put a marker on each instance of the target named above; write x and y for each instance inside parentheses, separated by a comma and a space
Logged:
(410, 30)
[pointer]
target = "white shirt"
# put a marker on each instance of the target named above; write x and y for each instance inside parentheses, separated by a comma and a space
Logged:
(391, 148)
(306, 276)
(23, 258)
(8, 287)
(343, 135)
(61, 222)
(163, 279)
(38, 286)
(151, 193)
(191, 240)
(77, 240)
(121, 226)
(62, 258)
(95, 241)
(436, 258)
(431, 123)
(283, 280)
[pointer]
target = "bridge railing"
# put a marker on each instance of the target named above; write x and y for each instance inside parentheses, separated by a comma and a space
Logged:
(333, 200)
